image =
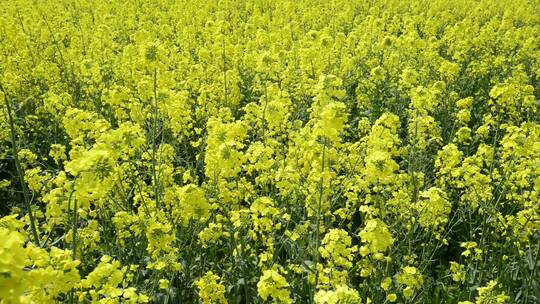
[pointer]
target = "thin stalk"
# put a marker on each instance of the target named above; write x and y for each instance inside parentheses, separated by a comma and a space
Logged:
(318, 218)
(74, 228)
(224, 69)
(412, 162)
(20, 170)
(154, 140)
(264, 112)
(73, 235)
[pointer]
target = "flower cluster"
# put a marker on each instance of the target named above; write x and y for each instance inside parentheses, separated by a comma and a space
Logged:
(269, 151)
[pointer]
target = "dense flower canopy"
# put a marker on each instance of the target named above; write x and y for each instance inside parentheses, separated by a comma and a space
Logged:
(270, 151)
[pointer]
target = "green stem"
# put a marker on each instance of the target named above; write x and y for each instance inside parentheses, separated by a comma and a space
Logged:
(224, 69)
(318, 219)
(154, 140)
(74, 227)
(20, 170)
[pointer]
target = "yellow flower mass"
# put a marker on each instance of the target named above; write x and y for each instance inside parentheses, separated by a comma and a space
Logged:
(256, 151)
